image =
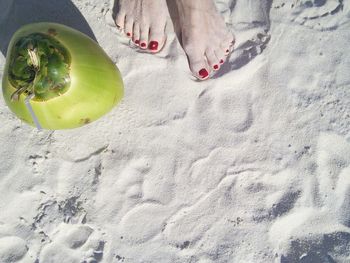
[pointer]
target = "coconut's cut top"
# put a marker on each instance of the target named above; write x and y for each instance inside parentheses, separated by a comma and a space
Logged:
(39, 65)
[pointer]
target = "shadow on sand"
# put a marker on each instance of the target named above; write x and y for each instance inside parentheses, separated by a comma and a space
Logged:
(21, 12)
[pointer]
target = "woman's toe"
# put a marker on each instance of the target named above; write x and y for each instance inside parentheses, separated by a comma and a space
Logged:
(213, 60)
(128, 27)
(198, 65)
(120, 21)
(136, 34)
(227, 44)
(201, 72)
(144, 33)
(221, 55)
(229, 39)
(156, 40)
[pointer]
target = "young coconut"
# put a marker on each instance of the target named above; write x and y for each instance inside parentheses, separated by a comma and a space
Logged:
(56, 77)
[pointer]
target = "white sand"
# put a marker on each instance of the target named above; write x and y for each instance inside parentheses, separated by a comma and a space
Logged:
(253, 166)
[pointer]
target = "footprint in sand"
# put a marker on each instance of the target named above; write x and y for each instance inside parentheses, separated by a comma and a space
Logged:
(323, 248)
(126, 187)
(131, 179)
(317, 14)
(12, 249)
(327, 197)
(138, 213)
(143, 222)
(333, 176)
(73, 244)
(225, 109)
(188, 225)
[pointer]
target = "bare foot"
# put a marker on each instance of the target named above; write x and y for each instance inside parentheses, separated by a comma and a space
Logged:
(204, 36)
(143, 21)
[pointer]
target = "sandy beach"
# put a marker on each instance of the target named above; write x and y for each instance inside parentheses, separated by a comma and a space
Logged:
(250, 166)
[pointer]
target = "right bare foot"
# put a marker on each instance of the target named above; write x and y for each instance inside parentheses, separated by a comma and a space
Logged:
(143, 21)
(204, 36)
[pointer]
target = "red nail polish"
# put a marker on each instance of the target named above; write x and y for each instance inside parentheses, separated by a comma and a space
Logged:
(137, 41)
(128, 34)
(153, 45)
(221, 61)
(227, 50)
(203, 73)
(143, 44)
(216, 66)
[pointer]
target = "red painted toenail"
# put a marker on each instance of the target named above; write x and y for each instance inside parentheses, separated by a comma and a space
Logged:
(153, 45)
(227, 50)
(221, 61)
(137, 41)
(128, 34)
(216, 66)
(143, 44)
(203, 73)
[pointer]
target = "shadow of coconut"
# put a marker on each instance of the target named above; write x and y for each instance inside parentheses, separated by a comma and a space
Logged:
(21, 12)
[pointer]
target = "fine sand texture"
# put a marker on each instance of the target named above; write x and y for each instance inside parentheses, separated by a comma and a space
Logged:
(251, 166)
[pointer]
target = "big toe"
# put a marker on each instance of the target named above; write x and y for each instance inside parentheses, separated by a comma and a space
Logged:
(156, 40)
(198, 65)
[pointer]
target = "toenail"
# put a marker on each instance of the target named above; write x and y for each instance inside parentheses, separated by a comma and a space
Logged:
(216, 67)
(153, 45)
(227, 50)
(137, 41)
(143, 44)
(128, 34)
(221, 61)
(203, 73)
